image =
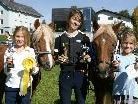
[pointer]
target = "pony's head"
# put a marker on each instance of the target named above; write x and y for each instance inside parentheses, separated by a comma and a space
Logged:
(104, 42)
(43, 43)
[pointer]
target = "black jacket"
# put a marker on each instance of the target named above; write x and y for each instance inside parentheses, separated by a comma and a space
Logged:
(75, 47)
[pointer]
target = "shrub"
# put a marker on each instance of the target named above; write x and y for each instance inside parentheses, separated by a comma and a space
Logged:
(3, 37)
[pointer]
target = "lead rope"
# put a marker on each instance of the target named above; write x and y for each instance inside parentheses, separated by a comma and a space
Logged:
(31, 90)
(116, 50)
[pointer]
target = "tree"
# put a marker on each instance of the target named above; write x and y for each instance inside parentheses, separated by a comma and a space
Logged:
(124, 13)
(135, 20)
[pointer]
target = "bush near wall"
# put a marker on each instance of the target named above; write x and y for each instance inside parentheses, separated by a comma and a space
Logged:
(3, 37)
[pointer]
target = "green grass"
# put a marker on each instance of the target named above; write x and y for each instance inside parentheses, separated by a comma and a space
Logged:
(47, 90)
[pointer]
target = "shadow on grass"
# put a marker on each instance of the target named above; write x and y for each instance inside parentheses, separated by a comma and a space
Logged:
(58, 102)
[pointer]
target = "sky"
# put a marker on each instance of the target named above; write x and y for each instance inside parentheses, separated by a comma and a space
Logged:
(44, 7)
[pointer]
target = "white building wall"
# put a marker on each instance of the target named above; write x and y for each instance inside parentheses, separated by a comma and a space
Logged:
(11, 19)
(4, 17)
(104, 19)
(20, 19)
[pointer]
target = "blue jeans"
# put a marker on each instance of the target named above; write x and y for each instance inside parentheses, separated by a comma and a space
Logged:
(12, 96)
(69, 80)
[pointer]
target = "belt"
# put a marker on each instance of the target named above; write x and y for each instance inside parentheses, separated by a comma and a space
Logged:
(73, 70)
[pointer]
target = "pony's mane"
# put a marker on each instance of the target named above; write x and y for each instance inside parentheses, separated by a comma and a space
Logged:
(45, 30)
(105, 29)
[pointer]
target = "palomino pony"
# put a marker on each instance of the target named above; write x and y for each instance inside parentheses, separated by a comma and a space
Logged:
(101, 73)
(43, 43)
(3, 48)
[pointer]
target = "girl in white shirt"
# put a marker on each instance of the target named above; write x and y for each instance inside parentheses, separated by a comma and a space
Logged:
(125, 77)
(19, 64)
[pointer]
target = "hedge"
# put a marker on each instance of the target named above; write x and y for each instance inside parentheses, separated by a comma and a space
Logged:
(3, 37)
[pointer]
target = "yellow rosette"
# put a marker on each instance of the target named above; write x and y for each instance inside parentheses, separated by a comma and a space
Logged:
(28, 64)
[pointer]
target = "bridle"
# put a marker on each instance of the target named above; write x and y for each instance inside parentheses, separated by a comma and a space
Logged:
(42, 47)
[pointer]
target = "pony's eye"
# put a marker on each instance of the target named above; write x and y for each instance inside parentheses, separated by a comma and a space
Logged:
(113, 45)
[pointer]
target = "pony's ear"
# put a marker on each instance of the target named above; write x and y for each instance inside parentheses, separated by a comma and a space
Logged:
(36, 23)
(116, 27)
(52, 26)
(95, 25)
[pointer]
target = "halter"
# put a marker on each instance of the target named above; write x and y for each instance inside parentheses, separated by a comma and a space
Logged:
(42, 42)
(43, 52)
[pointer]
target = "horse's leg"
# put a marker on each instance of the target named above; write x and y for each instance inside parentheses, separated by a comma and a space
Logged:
(2, 85)
(108, 99)
(36, 81)
(98, 89)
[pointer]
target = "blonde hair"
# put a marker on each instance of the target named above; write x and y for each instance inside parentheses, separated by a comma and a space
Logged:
(130, 35)
(25, 33)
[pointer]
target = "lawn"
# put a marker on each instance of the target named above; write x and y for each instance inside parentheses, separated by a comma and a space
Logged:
(47, 90)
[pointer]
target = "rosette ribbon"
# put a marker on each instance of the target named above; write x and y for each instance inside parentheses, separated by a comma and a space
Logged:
(28, 64)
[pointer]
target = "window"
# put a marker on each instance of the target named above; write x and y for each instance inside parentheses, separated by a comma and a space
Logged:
(110, 18)
(1, 21)
(119, 17)
(30, 24)
(1, 30)
(98, 18)
(1, 11)
(123, 24)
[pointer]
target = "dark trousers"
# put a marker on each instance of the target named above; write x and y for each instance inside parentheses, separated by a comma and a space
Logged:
(12, 96)
(69, 80)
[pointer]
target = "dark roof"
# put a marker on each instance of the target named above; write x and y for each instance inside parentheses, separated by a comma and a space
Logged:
(104, 10)
(11, 5)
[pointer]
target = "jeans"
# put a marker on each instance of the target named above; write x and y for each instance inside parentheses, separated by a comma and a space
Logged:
(12, 96)
(69, 80)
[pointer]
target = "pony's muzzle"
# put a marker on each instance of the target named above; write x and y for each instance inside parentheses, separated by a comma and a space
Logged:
(47, 65)
(103, 69)
(103, 66)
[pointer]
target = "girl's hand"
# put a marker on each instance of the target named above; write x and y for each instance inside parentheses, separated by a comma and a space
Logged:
(9, 60)
(63, 59)
(115, 64)
(87, 58)
(136, 66)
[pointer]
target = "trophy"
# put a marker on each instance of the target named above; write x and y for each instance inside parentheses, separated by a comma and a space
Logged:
(9, 58)
(64, 57)
(84, 58)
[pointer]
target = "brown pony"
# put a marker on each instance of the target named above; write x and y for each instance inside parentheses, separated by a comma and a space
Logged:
(104, 42)
(3, 48)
